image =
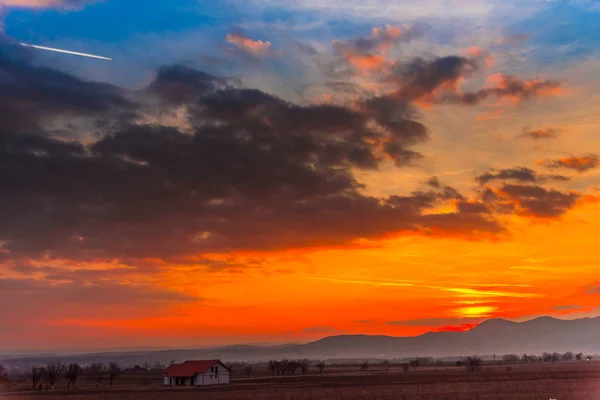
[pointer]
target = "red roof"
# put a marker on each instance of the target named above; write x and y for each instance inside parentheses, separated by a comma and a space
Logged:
(190, 368)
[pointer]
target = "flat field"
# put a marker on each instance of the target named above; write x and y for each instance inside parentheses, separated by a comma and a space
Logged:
(563, 381)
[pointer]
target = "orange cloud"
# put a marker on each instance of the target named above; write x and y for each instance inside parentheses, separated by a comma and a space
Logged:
(476, 52)
(387, 36)
(534, 201)
(366, 63)
(517, 90)
(257, 47)
(579, 164)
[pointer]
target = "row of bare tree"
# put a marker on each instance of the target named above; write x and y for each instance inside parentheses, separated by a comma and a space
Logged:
(47, 376)
(385, 364)
(289, 367)
(543, 358)
(475, 363)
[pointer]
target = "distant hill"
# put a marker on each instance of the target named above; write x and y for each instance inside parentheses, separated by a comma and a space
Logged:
(495, 336)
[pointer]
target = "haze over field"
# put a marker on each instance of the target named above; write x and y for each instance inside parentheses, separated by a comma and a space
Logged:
(284, 171)
(492, 337)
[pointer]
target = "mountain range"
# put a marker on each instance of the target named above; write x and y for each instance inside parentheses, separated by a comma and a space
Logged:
(494, 336)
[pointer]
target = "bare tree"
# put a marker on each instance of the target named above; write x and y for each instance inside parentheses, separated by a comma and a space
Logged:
(283, 366)
(385, 364)
(473, 364)
(273, 367)
(510, 359)
(248, 370)
(530, 358)
(304, 365)
(113, 372)
(292, 367)
(568, 356)
(99, 370)
(3, 374)
(321, 366)
(364, 366)
(146, 368)
(231, 367)
(53, 372)
(546, 357)
(35, 375)
(555, 357)
(73, 372)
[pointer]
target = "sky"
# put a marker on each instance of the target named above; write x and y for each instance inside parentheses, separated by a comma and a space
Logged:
(281, 171)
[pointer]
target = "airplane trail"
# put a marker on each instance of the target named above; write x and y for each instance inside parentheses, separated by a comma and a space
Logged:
(65, 51)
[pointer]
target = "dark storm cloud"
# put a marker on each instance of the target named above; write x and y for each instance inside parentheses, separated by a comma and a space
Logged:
(434, 182)
(468, 207)
(549, 133)
(422, 77)
(505, 86)
(179, 84)
(435, 81)
(538, 201)
(254, 172)
(520, 174)
(31, 94)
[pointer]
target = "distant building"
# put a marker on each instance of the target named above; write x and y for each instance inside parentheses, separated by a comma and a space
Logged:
(197, 373)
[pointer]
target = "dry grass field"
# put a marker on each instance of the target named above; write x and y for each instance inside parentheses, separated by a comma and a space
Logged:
(568, 381)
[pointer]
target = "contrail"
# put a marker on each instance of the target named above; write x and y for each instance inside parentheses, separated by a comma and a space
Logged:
(65, 51)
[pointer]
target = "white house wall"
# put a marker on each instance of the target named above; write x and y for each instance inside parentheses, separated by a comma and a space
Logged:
(209, 378)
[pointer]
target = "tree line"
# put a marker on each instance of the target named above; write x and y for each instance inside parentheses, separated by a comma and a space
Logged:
(47, 376)
(289, 367)
(475, 363)
(544, 358)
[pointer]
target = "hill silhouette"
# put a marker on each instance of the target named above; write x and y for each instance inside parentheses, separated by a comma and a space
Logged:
(495, 336)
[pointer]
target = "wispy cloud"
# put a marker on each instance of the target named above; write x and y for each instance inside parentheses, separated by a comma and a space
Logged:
(481, 292)
(45, 3)
(405, 10)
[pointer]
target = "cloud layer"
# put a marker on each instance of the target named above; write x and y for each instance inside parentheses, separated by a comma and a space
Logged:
(251, 172)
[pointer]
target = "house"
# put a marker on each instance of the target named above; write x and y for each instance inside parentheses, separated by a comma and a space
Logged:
(197, 373)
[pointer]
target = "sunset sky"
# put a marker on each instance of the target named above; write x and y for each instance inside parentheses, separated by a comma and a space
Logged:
(284, 170)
